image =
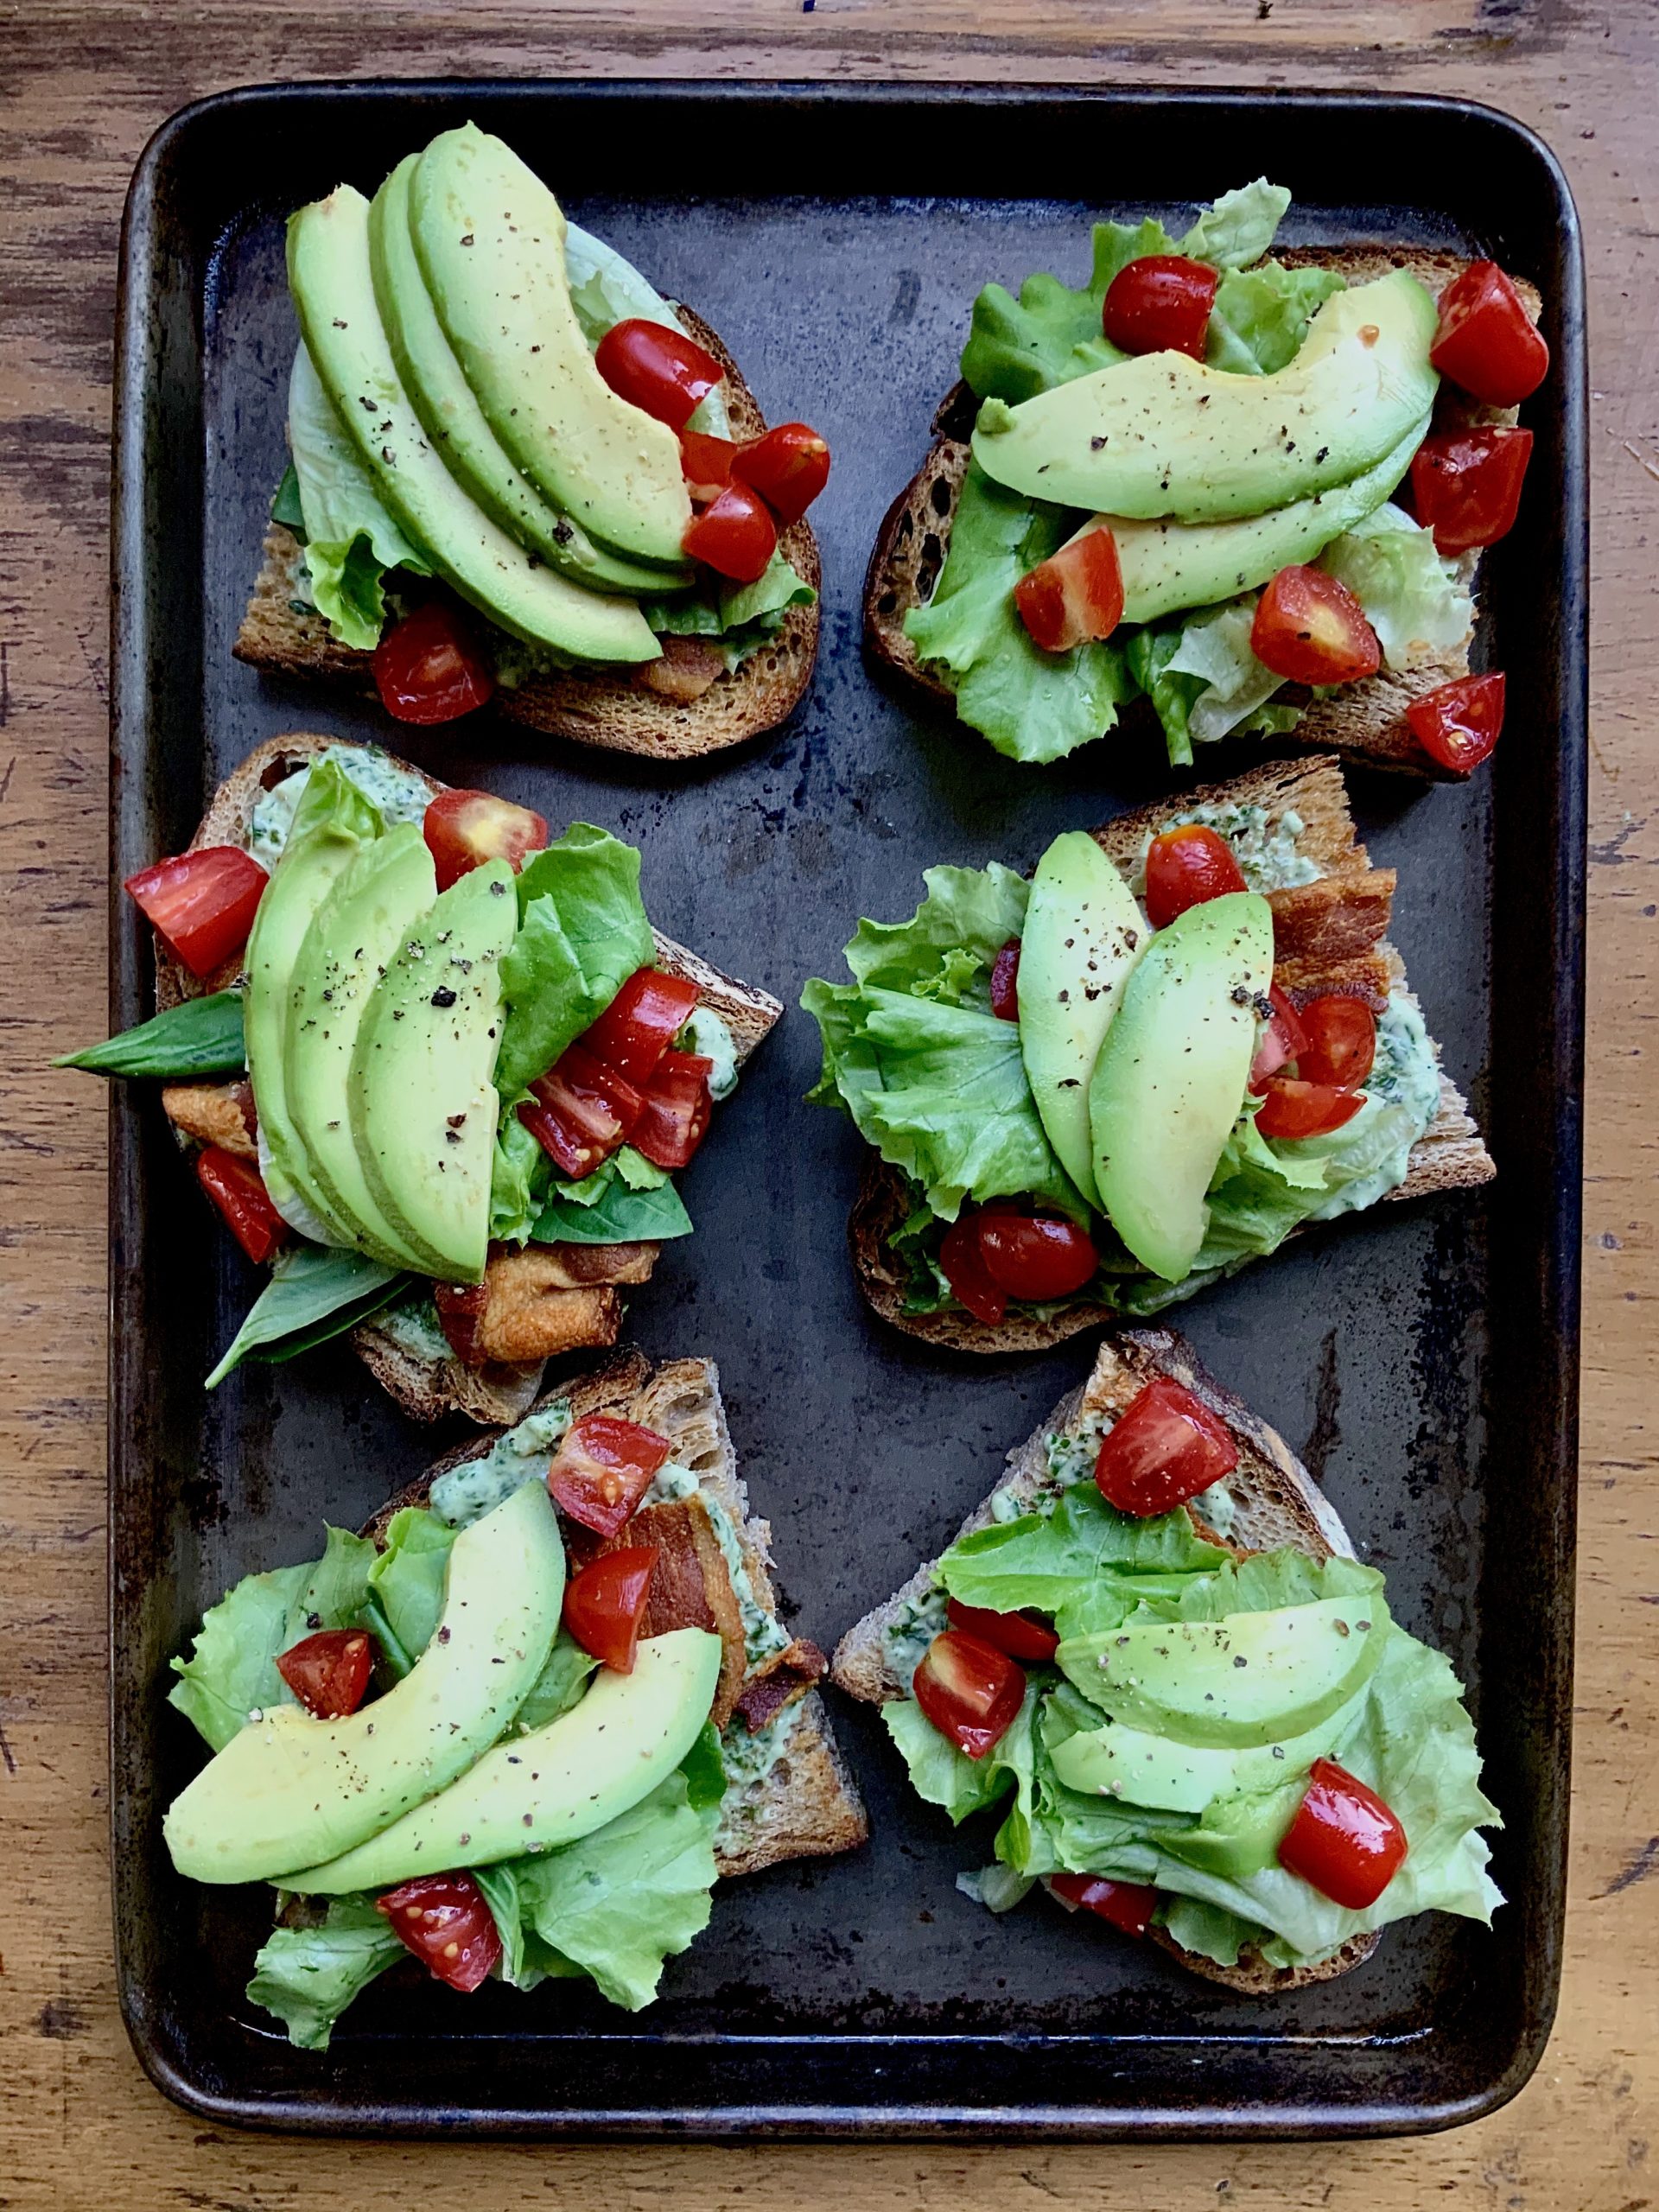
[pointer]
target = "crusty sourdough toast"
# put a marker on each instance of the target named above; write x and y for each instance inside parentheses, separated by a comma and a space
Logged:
(1328, 935)
(1277, 1504)
(808, 1805)
(427, 1389)
(1365, 722)
(282, 632)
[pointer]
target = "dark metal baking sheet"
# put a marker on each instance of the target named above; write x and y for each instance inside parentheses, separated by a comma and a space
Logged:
(1423, 1359)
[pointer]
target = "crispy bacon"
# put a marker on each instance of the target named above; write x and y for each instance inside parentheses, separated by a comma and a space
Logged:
(573, 1267)
(688, 667)
(1338, 919)
(783, 1679)
(547, 1299)
(1367, 978)
(215, 1113)
(691, 1588)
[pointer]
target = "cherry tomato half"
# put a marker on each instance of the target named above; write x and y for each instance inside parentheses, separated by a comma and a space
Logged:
(329, 1672)
(1458, 723)
(1076, 594)
(238, 1189)
(1161, 304)
(1017, 1634)
(603, 1468)
(202, 904)
(1486, 342)
(605, 1605)
(1187, 867)
(1164, 1447)
(1126, 1904)
(962, 1265)
(707, 464)
(1035, 1257)
(428, 668)
(662, 370)
(1282, 1039)
(641, 1022)
(1466, 485)
(446, 1921)
(677, 1105)
(788, 467)
(1339, 1041)
(734, 536)
(463, 829)
(1309, 628)
(579, 1111)
(1290, 1109)
(1005, 982)
(1344, 1840)
(970, 1690)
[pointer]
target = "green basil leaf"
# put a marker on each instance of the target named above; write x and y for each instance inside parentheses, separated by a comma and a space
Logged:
(197, 1037)
(315, 1292)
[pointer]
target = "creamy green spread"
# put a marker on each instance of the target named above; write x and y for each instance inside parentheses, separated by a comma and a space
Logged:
(400, 796)
(476, 1486)
(413, 1326)
(1266, 850)
(707, 1034)
(1402, 1095)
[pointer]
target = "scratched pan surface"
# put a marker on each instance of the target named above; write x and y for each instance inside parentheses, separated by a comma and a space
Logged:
(1422, 1359)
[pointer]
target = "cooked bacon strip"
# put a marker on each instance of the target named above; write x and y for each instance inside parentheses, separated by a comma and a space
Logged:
(691, 1588)
(1368, 978)
(688, 667)
(215, 1113)
(572, 1267)
(547, 1299)
(784, 1678)
(1338, 919)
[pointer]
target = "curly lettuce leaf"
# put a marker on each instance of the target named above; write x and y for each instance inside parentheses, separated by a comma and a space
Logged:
(1415, 598)
(739, 616)
(1048, 1562)
(1260, 316)
(583, 931)
(351, 539)
(1239, 228)
(407, 1578)
(308, 1976)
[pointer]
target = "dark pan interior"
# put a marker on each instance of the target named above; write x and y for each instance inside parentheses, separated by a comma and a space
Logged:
(1423, 1360)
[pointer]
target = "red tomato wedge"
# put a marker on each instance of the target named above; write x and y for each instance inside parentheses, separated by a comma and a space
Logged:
(962, 1265)
(1487, 342)
(462, 1307)
(1282, 1038)
(1035, 1257)
(1458, 723)
(735, 535)
(1292, 1110)
(446, 1921)
(706, 463)
(970, 1690)
(1018, 1635)
(428, 668)
(1126, 1904)
(236, 1188)
(1005, 982)
(463, 829)
(674, 1116)
(602, 1469)
(202, 904)
(1076, 594)
(1339, 1041)
(641, 1022)
(1344, 1840)
(788, 467)
(1165, 1448)
(1311, 629)
(579, 1111)
(1466, 485)
(329, 1672)
(1187, 867)
(605, 1605)
(660, 370)
(1161, 304)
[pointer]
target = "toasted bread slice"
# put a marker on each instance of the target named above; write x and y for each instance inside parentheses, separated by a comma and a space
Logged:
(1450, 1155)
(427, 1389)
(1365, 722)
(1278, 1505)
(808, 1805)
(283, 634)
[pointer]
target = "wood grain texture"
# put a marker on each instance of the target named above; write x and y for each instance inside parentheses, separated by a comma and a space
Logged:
(84, 85)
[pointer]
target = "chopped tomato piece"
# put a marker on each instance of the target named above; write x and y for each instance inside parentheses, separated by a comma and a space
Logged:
(238, 1189)
(677, 1104)
(706, 463)
(1164, 1448)
(1005, 982)
(1017, 1634)
(579, 1111)
(1292, 1110)
(1160, 303)
(1466, 485)
(962, 1265)
(1035, 1257)
(463, 829)
(1309, 628)
(428, 668)
(446, 1921)
(329, 1672)
(1282, 1039)
(1458, 723)
(970, 1690)
(1126, 1904)
(1076, 594)
(1487, 342)
(462, 1307)
(202, 904)
(1339, 1043)
(660, 370)
(1187, 867)
(605, 1605)
(735, 535)
(641, 1022)
(1344, 1840)
(788, 467)
(602, 1468)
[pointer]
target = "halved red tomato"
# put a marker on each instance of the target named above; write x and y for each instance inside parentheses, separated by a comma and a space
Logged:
(1282, 1038)
(1466, 485)
(1292, 1110)
(602, 1468)
(706, 463)
(1076, 594)
(446, 1921)
(1126, 1904)
(1017, 1634)
(1035, 1256)
(962, 1265)
(1486, 342)
(735, 535)
(202, 904)
(970, 1690)
(1164, 1447)
(463, 829)
(1344, 1840)
(579, 1111)
(1187, 867)
(605, 1605)
(674, 1115)
(238, 1189)
(428, 668)
(1160, 303)
(1339, 1041)
(641, 1022)
(1005, 982)
(329, 1672)
(789, 466)
(1309, 628)
(660, 370)
(1458, 723)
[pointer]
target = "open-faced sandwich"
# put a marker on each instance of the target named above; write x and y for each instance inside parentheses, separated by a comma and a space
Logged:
(517, 472)
(1182, 482)
(1152, 1652)
(438, 1070)
(1093, 1092)
(520, 1724)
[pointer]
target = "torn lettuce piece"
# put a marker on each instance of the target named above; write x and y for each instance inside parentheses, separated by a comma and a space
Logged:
(352, 539)
(1416, 599)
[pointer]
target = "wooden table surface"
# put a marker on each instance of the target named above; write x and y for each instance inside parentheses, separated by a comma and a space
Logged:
(82, 84)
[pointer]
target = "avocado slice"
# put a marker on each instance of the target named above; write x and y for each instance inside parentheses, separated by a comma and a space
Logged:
(330, 276)
(421, 1090)
(1163, 435)
(455, 422)
(554, 1784)
(291, 1789)
(353, 934)
(489, 238)
(1170, 1080)
(1084, 933)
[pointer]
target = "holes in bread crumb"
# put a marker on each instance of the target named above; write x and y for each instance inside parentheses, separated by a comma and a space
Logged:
(941, 496)
(927, 568)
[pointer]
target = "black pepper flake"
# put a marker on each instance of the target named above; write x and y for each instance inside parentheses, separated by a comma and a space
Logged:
(443, 995)
(467, 240)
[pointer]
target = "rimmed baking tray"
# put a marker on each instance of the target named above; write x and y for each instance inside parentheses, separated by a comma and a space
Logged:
(1423, 1359)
